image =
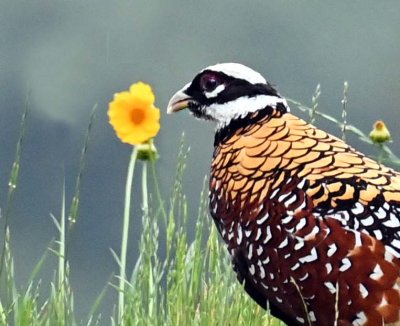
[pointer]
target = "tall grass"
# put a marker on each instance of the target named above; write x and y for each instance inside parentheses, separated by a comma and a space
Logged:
(177, 280)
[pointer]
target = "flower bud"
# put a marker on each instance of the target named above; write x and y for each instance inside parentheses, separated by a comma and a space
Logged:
(380, 133)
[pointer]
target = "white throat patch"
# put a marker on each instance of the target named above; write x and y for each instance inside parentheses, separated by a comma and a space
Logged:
(239, 108)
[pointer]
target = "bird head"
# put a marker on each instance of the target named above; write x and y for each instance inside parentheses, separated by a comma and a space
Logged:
(225, 92)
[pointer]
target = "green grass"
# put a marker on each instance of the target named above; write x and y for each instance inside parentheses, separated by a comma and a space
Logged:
(177, 280)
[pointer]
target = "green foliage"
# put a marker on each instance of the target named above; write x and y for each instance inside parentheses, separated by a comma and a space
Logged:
(176, 280)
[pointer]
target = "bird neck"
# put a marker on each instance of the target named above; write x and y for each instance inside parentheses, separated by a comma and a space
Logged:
(224, 133)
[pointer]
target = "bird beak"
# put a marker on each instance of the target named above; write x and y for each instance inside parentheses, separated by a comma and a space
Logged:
(179, 102)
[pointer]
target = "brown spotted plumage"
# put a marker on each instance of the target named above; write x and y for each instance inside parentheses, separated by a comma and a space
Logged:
(312, 225)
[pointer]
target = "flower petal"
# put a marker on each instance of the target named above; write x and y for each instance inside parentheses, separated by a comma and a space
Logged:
(133, 116)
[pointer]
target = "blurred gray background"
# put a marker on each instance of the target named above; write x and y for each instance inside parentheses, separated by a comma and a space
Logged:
(73, 54)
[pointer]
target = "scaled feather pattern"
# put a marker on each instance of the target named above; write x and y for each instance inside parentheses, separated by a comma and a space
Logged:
(312, 225)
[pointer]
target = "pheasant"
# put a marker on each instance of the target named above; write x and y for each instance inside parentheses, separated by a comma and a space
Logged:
(311, 224)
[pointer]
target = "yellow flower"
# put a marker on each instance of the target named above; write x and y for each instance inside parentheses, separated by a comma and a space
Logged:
(133, 115)
(380, 133)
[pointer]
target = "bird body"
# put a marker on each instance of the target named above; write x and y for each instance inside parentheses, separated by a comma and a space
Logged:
(312, 225)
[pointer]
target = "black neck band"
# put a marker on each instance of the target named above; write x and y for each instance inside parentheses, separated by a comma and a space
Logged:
(252, 118)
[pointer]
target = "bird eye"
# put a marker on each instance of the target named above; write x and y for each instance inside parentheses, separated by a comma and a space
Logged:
(209, 82)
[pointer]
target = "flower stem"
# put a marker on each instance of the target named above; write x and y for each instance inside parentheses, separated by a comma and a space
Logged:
(381, 153)
(125, 233)
(344, 110)
(145, 191)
